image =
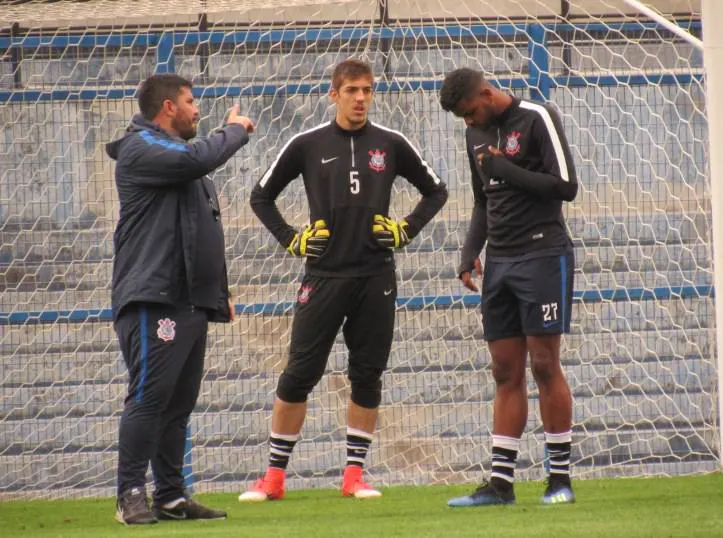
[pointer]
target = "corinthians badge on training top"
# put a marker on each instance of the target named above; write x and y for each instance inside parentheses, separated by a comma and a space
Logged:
(512, 147)
(378, 161)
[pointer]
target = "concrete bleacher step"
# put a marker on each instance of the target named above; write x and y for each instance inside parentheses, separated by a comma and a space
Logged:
(602, 467)
(414, 455)
(57, 337)
(629, 257)
(660, 385)
(623, 416)
(666, 372)
(62, 369)
(77, 244)
(57, 275)
(224, 359)
(246, 293)
(604, 352)
(52, 301)
(60, 245)
(432, 453)
(588, 319)
(610, 280)
(640, 226)
(625, 257)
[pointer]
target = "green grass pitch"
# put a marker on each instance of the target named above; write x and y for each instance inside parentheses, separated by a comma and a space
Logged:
(650, 507)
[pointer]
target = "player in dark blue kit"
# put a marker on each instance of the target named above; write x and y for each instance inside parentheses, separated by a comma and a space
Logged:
(522, 171)
(348, 166)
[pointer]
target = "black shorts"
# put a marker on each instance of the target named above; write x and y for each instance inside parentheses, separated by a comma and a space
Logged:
(527, 297)
(362, 307)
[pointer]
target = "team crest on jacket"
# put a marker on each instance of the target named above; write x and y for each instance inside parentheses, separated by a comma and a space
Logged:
(166, 329)
(378, 161)
(305, 294)
(512, 147)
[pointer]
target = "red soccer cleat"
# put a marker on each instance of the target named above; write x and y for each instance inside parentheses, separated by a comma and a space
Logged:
(268, 488)
(353, 484)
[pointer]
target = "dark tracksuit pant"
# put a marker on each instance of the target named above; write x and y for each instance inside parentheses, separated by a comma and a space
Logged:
(163, 349)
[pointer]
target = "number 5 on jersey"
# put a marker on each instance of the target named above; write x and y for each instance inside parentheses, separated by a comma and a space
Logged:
(354, 181)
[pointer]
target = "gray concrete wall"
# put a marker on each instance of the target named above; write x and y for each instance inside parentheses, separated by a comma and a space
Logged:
(97, 12)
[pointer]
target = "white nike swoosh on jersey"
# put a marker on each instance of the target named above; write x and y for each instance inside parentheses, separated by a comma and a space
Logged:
(478, 146)
(326, 161)
(387, 292)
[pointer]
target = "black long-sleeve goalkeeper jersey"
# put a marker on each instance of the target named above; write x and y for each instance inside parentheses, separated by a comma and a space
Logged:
(518, 196)
(348, 177)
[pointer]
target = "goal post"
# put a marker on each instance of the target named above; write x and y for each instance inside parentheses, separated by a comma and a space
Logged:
(665, 23)
(641, 358)
(713, 56)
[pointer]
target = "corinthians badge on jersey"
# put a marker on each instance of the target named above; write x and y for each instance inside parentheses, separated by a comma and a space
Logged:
(378, 161)
(512, 147)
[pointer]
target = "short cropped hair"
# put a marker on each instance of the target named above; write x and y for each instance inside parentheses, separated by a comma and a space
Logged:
(459, 85)
(156, 89)
(350, 69)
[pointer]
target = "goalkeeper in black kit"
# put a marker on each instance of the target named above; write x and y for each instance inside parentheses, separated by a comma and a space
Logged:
(348, 167)
(522, 172)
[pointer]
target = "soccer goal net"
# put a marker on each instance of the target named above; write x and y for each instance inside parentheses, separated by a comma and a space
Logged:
(640, 358)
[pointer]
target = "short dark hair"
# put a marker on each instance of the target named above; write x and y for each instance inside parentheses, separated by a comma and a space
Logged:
(156, 89)
(350, 69)
(458, 85)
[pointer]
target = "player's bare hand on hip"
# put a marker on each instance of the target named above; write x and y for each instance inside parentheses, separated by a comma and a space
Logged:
(238, 119)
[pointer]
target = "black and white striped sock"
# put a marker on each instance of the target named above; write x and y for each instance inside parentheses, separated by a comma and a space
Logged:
(504, 459)
(280, 448)
(558, 451)
(357, 446)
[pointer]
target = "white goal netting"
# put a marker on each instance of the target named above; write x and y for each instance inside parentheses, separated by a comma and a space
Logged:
(640, 359)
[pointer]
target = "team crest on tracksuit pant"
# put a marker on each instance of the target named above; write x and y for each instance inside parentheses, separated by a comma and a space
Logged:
(166, 329)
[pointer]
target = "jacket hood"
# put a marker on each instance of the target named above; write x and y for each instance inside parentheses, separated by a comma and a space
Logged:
(138, 123)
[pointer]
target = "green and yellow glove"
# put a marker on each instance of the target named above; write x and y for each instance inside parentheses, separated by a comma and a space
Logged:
(390, 233)
(311, 241)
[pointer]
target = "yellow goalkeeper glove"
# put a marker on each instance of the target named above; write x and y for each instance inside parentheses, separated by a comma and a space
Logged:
(390, 233)
(311, 241)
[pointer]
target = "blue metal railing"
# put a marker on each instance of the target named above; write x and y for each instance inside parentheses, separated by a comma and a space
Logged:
(539, 80)
(404, 303)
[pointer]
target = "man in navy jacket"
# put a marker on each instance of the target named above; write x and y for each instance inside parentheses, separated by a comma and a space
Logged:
(169, 281)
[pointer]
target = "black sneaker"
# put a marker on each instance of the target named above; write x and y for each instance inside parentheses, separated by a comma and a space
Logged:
(132, 508)
(486, 494)
(187, 509)
(558, 491)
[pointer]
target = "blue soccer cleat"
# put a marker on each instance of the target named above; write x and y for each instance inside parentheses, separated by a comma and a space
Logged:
(486, 494)
(559, 491)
